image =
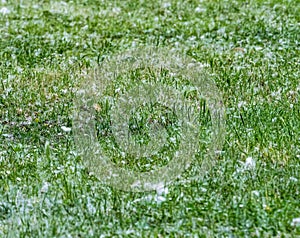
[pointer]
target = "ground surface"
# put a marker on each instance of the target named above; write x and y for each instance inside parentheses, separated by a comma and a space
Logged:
(253, 51)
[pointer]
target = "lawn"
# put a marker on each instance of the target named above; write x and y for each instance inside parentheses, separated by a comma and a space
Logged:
(249, 50)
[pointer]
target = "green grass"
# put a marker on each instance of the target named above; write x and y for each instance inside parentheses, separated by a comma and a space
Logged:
(252, 49)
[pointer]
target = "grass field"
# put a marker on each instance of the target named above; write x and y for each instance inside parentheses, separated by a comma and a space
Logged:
(252, 49)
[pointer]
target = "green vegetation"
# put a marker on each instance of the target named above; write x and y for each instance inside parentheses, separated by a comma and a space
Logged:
(252, 49)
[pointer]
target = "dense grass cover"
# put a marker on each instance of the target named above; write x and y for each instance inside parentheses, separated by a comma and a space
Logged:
(252, 50)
